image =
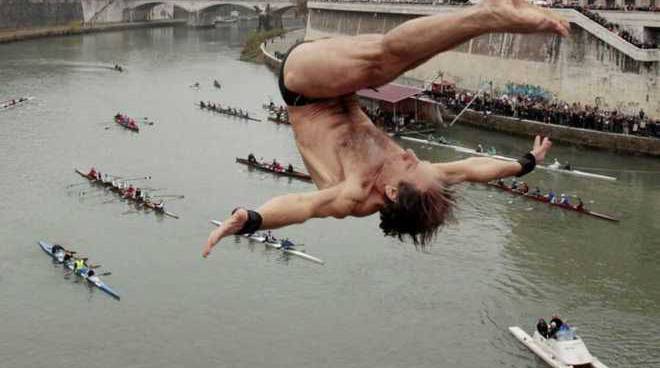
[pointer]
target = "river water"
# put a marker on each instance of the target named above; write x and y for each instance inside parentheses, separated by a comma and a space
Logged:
(375, 303)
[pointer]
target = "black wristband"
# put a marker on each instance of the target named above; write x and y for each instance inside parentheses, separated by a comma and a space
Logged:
(252, 224)
(528, 163)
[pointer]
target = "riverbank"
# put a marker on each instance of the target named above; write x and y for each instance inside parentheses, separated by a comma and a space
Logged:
(15, 35)
(273, 48)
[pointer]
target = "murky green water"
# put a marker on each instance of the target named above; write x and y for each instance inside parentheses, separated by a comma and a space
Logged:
(376, 302)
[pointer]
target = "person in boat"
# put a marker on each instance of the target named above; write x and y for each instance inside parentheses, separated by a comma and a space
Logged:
(202, 104)
(480, 148)
(555, 325)
(217, 84)
(524, 188)
(500, 182)
(195, 85)
(92, 173)
(270, 238)
(290, 169)
(492, 151)
(79, 264)
(287, 244)
(580, 205)
(564, 200)
(555, 165)
(542, 327)
(252, 159)
(159, 206)
(68, 256)
(514, 184)
(138, 194)
(568, 167)
(130, 192)
(357, 168)
(551, 196)
(275, 165)
(57, 249)
(536, 192)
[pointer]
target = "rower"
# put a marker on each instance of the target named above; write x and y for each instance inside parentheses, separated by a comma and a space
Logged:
(92, 173)
(568, 167)
(56, 249)
(138, 194)
(289, 169)
(270, 238)
(159, 206)
(201, 104)
(480, 148)
(252, 159)
(500, 182)
(536, 192)
(580, 205)
(79, 264)
(524, 188)
(130, 192)
(555, 165)
(551, 197)
(287, 244)
(514, 184)
(564, 200)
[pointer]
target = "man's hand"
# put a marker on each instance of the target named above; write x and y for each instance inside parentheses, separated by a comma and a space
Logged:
(228, 227)
(541, 147)
(519, 16)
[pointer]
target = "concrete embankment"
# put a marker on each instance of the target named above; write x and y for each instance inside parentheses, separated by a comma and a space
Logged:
(575, 136)
(75, 28)
(280, 45)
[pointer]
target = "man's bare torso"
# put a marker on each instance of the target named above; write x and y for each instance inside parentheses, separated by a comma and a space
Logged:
(338, 142)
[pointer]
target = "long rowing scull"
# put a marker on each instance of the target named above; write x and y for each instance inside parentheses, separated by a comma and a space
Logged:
(144, 203)
(471, 151)
(277, 244)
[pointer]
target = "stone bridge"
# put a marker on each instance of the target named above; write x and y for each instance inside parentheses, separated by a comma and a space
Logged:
(194, 12)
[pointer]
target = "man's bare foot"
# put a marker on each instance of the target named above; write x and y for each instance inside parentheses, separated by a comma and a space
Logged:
(229, 227)
(519, 16)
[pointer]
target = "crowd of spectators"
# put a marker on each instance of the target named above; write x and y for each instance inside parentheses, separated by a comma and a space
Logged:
(555, 112)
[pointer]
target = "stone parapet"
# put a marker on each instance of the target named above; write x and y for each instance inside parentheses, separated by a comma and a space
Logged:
(575, 136)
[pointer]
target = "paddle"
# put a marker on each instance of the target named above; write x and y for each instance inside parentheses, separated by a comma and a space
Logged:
(172, 196)
(106, 274)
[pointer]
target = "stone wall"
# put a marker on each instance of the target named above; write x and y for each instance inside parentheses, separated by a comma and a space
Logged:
(575, 136)
(39, 13)
(580, 68)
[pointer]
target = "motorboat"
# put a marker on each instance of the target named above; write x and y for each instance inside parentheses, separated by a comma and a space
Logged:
(564, 350)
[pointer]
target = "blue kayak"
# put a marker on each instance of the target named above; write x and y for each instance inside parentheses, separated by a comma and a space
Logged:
(94, 280)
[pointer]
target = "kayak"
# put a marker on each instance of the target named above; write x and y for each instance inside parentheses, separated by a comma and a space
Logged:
(558, 353)
(267, 168)
(471, 151)
(227, 112)
(94, 280)
(276, 244)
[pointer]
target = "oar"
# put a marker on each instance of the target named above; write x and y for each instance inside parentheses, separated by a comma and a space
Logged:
(95, 266)
(148, 177)
(75, 185)
(172, 196)
(106, 274)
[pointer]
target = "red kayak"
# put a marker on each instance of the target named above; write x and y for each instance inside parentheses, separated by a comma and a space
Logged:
(127, 123)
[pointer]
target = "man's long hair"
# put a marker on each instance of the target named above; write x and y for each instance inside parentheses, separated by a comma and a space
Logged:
(417, 214)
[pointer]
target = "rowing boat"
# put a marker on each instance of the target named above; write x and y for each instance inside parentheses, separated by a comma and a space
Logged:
(227, 112)
(94, 280)
(149, 205)
(267, 168)
(276, 244)
(547, 201)
(6, 105)
(504, 158)
(125, 122)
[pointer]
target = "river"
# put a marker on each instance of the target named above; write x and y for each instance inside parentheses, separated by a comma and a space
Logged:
(376, 302)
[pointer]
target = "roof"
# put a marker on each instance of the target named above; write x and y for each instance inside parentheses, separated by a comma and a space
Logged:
(391, 92)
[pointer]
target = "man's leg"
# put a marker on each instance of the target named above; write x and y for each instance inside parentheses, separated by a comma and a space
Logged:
(340, 66)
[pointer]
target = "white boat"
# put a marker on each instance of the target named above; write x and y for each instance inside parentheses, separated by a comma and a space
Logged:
(275, 243)
(558, 353)
(6, 105)
(471, 151)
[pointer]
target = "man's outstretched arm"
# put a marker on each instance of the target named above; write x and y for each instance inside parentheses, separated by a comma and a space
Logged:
(340, 66)
(484, 169)
(289, 209)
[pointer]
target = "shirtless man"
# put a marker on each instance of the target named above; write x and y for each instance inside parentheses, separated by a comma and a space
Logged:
(357, 168)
